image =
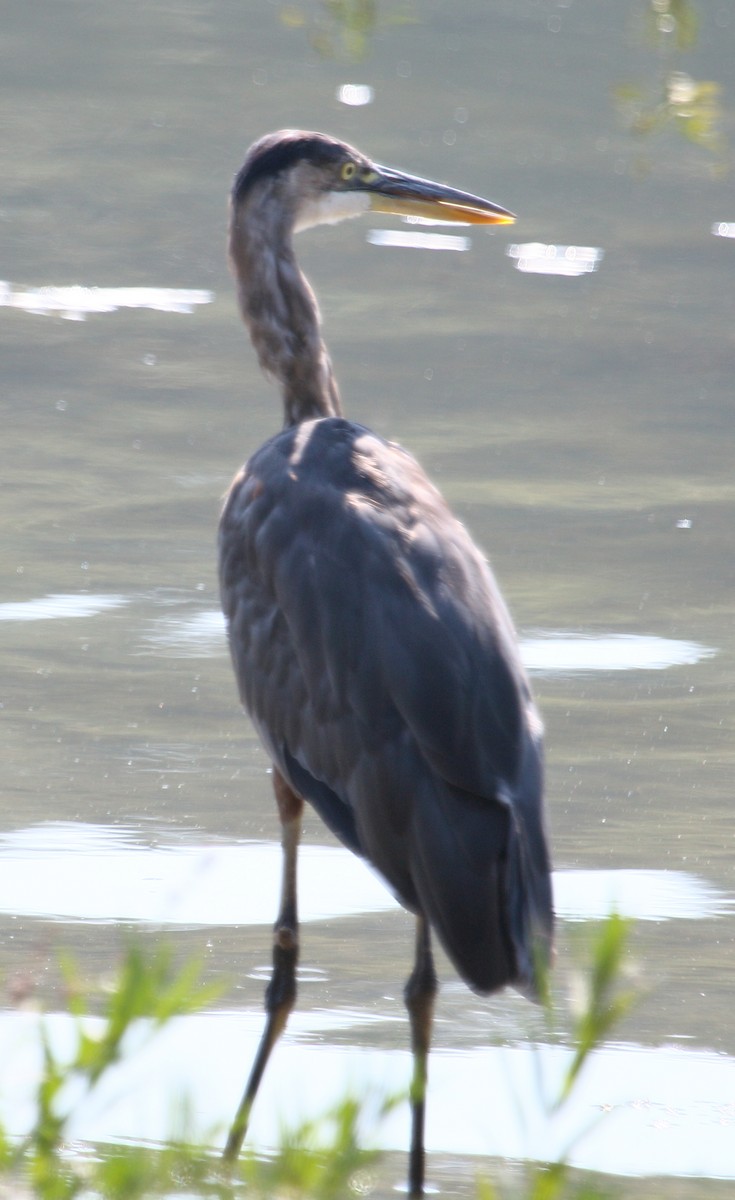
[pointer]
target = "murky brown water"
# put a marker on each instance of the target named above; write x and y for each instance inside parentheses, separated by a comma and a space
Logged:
(581, 423)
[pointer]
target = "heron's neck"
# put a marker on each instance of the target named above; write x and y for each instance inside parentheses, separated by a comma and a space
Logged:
(282, 315)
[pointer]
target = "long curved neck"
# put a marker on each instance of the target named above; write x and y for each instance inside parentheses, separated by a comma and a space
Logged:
(282, 315)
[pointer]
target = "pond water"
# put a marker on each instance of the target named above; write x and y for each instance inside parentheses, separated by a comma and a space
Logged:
(567, 383)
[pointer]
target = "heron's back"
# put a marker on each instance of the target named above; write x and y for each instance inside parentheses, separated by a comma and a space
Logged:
(378, 662)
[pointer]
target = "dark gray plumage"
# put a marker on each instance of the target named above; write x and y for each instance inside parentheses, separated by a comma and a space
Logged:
(371, 645)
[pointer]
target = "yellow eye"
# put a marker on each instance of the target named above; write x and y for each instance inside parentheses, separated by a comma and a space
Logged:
(348, 172)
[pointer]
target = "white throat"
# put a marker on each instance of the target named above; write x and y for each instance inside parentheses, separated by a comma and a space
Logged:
(330, 208)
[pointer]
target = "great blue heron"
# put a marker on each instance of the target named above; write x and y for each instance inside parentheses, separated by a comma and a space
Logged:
(371, 645)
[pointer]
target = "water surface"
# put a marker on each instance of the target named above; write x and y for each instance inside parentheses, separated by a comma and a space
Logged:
(567, 383)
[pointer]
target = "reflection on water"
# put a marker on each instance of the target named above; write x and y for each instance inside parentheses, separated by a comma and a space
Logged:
(662, 1111)
(77, 303)
(60, 606)
(565, 653)
(639, 894)
(355, 94)
(198, 636)
(109, 878)
(417, 241)
(536, 258)
(671, 98)
(103, 873)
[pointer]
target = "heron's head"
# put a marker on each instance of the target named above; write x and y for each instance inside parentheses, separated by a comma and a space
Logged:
(301, 179)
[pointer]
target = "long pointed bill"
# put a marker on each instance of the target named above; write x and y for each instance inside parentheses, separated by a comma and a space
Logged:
(394, 192)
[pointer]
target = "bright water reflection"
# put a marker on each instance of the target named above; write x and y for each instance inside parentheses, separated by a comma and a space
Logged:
(77, 303)
(564, 653)
(664, 1111)
(99, 873)
(406, 240)
(536, 258)
(60, 607)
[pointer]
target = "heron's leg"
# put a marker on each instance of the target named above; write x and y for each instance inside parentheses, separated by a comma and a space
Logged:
(419, 993)
(280, 994)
